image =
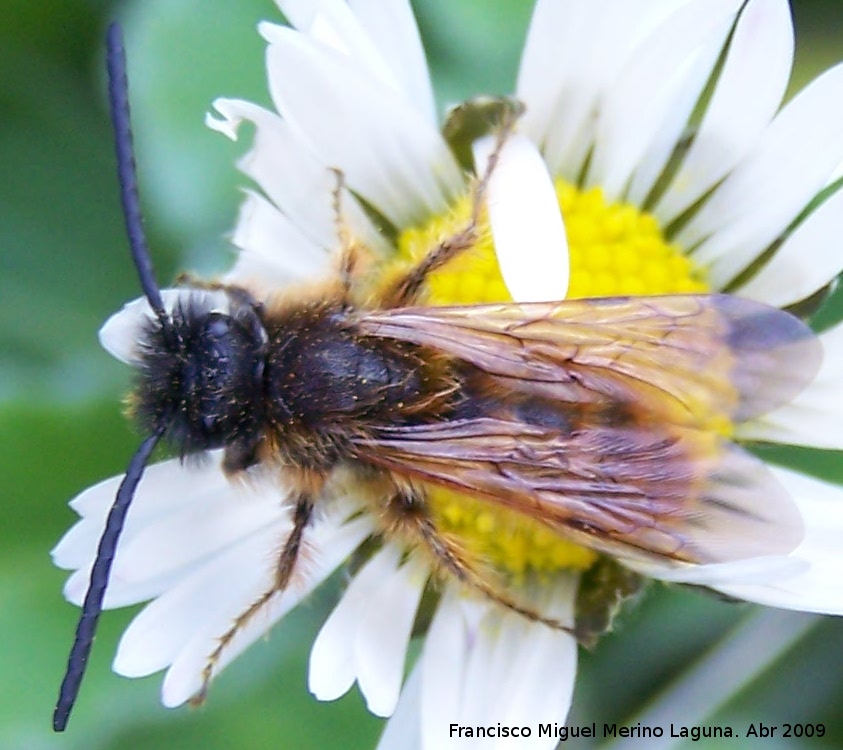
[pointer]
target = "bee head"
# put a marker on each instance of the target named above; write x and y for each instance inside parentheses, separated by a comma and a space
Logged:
(200, 376)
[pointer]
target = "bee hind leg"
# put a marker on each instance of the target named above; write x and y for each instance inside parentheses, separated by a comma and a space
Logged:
(285, 567)
(408, 513)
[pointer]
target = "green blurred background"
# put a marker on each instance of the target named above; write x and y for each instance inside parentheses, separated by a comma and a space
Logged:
(65, 268)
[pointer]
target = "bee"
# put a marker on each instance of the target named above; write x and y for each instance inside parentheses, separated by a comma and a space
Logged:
(606, 420)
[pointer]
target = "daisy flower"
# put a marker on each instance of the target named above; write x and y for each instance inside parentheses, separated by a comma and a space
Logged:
(658, 129)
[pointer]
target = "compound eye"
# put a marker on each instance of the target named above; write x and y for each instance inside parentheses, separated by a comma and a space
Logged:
(216, 333)
(217, 325)
(216, 353)
(222, 397)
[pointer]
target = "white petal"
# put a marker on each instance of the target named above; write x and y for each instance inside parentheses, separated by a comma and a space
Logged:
(119, 334)
(526, 223)
(122, 593)
(538, 668)
(392, 28)
(95, 501)
(756, 570)
(334, 24)
(679, 99)
(555, 41)
(199, 531)
(273, 252)
(224, 586)
(366, 636)
(815, 416)
(483, 665)
(808, 259)
(574, 51)
(819, 588)
(443, 664)
(639, 102)
(168, 491)
(485, 669)
(290, 175)
(380, 648)
(403, 730)
(301, 13)
(748, 92)
(332, 664)
(381, 37)
(76, 547)
(294, 179)
(791, 163)
(392, 158)
(201, 545)
(836, 174)
(327, 544)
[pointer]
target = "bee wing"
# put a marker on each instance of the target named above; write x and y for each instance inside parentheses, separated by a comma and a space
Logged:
(641, 470)
(639, 492)
(697, 360)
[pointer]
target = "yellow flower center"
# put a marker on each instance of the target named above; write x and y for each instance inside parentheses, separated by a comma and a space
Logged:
(614, 248)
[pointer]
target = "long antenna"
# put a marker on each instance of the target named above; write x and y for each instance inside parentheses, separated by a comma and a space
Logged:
(92, 606)
(77, 661)
(118, 95)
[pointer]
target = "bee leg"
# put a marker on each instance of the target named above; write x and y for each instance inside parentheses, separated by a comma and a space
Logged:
(349, 250)
(238, 294)
(290, 552)
(405, 290)
(283, 573)
(409, 513)
(239, 456)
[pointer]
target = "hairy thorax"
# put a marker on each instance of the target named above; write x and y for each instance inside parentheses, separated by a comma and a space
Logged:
(326, 383)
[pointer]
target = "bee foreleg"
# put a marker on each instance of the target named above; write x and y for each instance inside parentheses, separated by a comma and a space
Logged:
(349, 249)
(409, 512)
(404, 290)
(284, 570)
(238, 294)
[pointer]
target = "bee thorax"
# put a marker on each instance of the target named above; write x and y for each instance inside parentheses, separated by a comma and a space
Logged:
(326, 382)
